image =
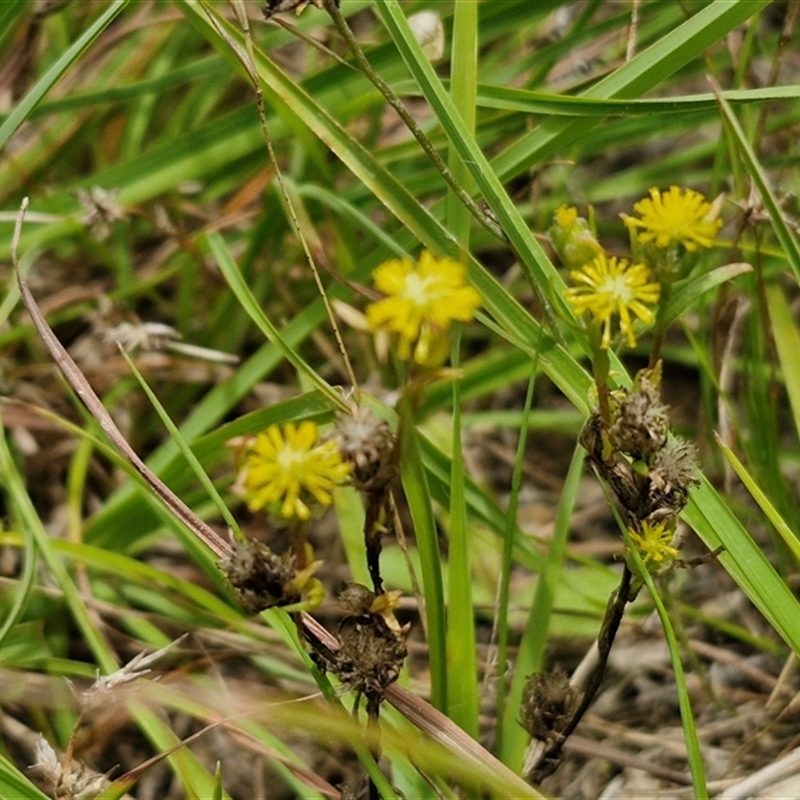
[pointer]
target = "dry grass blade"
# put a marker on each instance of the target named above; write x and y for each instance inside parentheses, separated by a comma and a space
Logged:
(77, 380)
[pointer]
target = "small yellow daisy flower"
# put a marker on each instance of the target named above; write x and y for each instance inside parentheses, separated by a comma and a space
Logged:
(422, 301)
(288, 468)
(674, 218)
(654, 543)
(608, 286)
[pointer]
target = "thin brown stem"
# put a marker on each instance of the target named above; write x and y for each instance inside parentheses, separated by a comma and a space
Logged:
(397, 104)
(551, 756)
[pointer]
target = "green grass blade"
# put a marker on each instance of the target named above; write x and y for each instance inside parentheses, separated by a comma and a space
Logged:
(643, 72)
(415, 487)
(462, 85)
(29, 519)
(56, 72)
(530, 658)
(715, 523)
(14, 784)
(188, 454)
(22, 592)
(693, 750)
(482, 508)
(131, 569)
(507, 565)
(787, 343)
(687, 293)
(786, 237)
(249, 303)
(786, 533)
(196, 780)
(462, 689)
(525, 101)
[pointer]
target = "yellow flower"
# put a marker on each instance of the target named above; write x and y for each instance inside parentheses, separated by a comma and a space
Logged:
(288, 468)
(422, 301)
(608, 286)
(654, 543)
(673, 218)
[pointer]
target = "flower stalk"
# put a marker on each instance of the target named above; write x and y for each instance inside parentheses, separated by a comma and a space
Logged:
(627, 438)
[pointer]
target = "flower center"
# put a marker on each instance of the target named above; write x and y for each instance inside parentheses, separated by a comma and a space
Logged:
(290, 459)
(417, 289)
(616, 287)
(676, 220)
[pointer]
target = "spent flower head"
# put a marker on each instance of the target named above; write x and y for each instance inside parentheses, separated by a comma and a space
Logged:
(70, 779)
(137, 667)
(673, 473)
(675, 218)
(287, 469)
(640, 422)
(422, 301)
(609, 287)
(263, 579)
(367, 443)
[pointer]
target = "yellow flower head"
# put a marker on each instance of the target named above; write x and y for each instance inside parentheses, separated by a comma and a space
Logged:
(608, 287)
(288, 468)
(422, 300)
(673, 218)
(654, 543)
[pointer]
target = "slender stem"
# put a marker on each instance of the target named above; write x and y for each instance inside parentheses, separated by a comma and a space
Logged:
(247, 59)
(660, 328)
(396, 103)
(601, 366)
(299, 539)
(605, 639)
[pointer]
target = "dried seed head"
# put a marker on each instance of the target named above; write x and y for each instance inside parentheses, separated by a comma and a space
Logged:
(641, 424)
(649, 472)
(73, 781)
(367, 444)
(99, 693)
(674, 470)
(372, 645)
(272, 7)
(262, 579)
(548, 701)
(370, 656)
(101, 209)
